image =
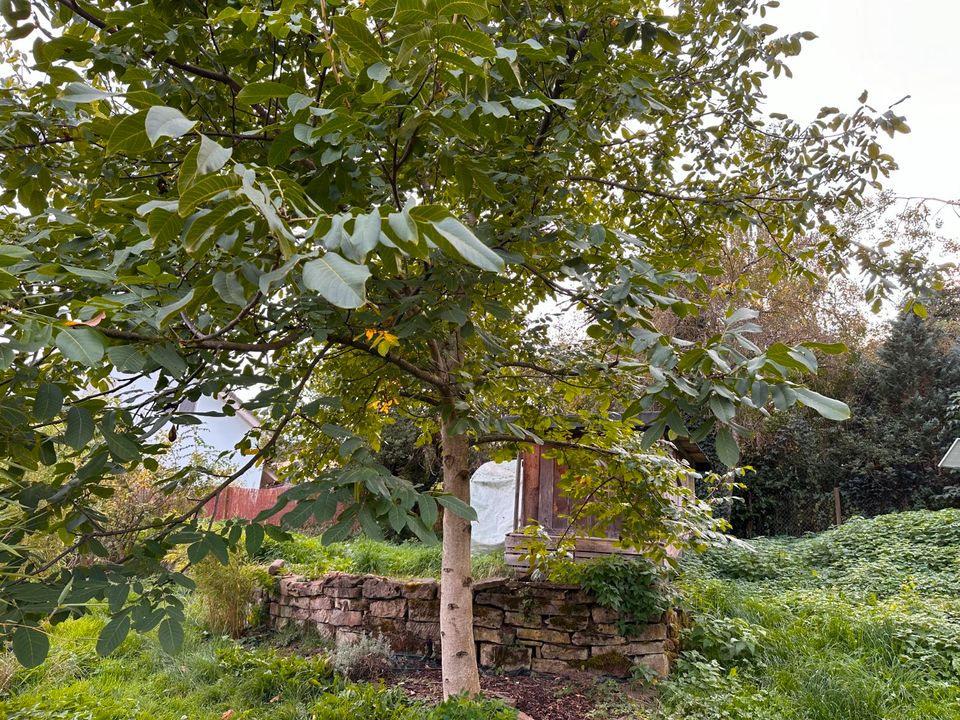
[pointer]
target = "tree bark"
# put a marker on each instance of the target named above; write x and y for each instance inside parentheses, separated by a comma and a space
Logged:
(457, 648)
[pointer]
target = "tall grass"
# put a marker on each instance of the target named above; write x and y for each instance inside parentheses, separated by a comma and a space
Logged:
(208, 678)
(309, 556)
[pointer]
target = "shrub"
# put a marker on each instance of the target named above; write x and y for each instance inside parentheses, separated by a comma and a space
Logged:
(226, 593)
(367, 658)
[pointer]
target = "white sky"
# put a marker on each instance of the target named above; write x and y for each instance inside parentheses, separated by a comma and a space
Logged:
(891, 48)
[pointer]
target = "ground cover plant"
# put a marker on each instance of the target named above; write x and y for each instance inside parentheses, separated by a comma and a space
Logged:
(859, 622)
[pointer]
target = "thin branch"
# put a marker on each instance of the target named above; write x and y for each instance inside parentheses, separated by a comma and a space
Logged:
(405, 365)
(220, 77)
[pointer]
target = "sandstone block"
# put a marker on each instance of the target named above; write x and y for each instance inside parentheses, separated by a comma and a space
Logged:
(566, 622)
(650, 632)
(381, 589)
(654, 647)
(425, 630)
(343, 580)
(420, 589)
(276, 567)
(564, 608)
(297, 588)
(492, 583)
(604, 615)
(340, 618)
(605, 628)
(549, 636)
(343, 592)
(388, 608)
(503, 636)
(321, 602)
(660, 664)
(506, 658)
(592, 638)
(612, 662)
(486, 616)
(521, 619)
(500, 600)
(563, 652)
(426, 610)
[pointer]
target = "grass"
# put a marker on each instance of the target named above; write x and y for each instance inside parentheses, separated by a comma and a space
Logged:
(861, 622)
(208, 678)
(306, 555)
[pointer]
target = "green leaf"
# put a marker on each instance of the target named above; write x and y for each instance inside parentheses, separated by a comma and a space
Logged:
(211, 156)
(164, 227)
(229, 288)
(727, 449)
(473, 41)
(457, 507)
(253, 539)
(129, 136)
(523, 103)
(82, 93)
(162, 121)
(494, 108)
(48, 402)
(113, 634)
(356, 36)
(204, 190)
(165, 311)
(258, 92)
(409, 12)
(170, 635)
(30, 646)
(126, 358)
(473, 9)
(339, 281)
(464, 243)
(81, 344)
(825, 406)
(80, 427)
(369, 524)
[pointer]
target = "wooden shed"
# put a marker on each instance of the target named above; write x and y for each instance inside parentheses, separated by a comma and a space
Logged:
(542, 501)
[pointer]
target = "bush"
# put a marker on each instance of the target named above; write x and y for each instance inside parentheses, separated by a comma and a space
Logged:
(368, 658)
(226, 593)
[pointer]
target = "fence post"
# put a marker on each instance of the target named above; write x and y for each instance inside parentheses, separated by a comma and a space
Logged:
(838, 514)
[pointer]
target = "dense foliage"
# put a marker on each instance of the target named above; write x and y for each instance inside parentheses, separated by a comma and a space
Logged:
(857, 623)
(905, 401)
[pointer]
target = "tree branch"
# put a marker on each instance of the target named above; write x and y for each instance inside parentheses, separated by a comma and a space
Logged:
(220, 77)
(283, 342)
(405, 365)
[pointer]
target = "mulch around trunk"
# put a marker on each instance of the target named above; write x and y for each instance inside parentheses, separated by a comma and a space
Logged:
(542, 697)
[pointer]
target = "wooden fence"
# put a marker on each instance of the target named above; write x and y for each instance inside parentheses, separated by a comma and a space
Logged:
(246, 503)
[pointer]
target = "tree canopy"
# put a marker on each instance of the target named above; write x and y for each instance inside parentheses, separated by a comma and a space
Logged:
(241, 195)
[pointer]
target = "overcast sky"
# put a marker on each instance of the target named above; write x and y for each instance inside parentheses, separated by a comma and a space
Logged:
(892, 48)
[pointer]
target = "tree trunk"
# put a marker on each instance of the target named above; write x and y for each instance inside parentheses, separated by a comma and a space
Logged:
(457, 648)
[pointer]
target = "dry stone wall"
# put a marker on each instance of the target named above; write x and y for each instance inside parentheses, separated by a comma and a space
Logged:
(518, 625)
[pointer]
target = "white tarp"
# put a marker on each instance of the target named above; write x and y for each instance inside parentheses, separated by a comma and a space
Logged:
(492, 493)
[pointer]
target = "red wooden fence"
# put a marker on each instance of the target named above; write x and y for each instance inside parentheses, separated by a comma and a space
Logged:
(246, 503)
